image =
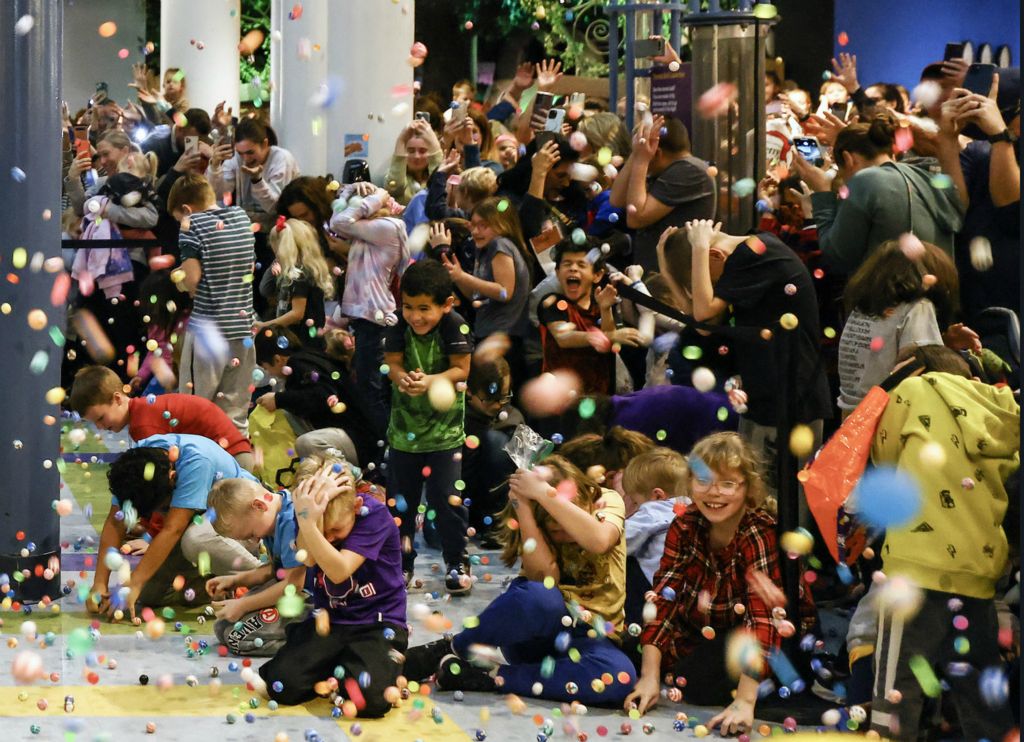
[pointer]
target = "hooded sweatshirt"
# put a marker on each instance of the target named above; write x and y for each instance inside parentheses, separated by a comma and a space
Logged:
(878, 207)
(955, 543)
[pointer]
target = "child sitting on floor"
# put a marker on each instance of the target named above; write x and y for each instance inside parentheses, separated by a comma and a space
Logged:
(703, 578)
(246, 602)
(359, 611)
(557, 644)
(655, 484)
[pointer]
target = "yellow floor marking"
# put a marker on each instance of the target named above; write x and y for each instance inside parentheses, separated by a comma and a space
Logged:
(181, 701)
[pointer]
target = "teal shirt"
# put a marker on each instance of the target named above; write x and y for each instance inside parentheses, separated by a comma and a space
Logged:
(415, 426)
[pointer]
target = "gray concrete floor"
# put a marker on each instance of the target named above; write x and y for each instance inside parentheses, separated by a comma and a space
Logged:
(117, 708)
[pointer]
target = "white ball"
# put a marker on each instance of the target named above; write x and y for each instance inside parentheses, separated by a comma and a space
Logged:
(76, 436)
(703, 379)
(131, 198)
(981, 253)
(24, 25)
(28, 629)
(537, 689)
(831, 717)
(441, 394)
(650, 612)
(933, 455)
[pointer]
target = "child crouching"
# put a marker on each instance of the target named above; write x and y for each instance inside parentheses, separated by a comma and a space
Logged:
(354, 557)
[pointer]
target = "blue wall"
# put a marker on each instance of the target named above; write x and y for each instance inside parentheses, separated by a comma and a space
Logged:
(893, 41)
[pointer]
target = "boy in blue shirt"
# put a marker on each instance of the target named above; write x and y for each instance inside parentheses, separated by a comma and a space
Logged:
(428, 354)
(162, 484)
(354, 557)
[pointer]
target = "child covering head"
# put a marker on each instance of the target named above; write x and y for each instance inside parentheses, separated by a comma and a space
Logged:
(718, 555)
(353, 555)
(427, 354)
(299, 278)
(568, 533)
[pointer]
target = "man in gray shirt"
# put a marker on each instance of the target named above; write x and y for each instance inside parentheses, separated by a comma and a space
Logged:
(662, 185)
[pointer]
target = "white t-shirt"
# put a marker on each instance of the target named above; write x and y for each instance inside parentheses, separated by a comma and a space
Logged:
(861, 367)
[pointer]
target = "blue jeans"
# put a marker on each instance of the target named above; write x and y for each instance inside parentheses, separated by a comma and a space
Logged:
(368, 358)
(524, 622)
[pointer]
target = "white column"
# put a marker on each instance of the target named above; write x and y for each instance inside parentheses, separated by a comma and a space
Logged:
(201, 38)
(298, 68)
(369, 45)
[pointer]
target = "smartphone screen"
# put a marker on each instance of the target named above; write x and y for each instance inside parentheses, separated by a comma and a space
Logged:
(541, 105)
(979, 78)
(191, 144)
(649, 48)
(839, 110)
(809, 149)
(543, 137)
(774, 107)
(423, 116)
(953, 51)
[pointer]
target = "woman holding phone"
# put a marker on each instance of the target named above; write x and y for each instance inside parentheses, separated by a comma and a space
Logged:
(417, 155)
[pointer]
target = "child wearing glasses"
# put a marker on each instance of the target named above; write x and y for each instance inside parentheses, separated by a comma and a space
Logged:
(720, 572)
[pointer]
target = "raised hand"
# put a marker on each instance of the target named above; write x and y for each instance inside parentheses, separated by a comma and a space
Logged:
(549, 72)
(523, 77)
(845, 71)
(546, 157)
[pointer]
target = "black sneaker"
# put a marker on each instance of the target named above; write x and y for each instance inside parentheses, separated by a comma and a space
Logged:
(457, 674)
(458, 578)
(424, 660)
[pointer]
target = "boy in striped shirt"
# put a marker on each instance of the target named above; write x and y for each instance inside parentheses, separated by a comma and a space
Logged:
(216, 246)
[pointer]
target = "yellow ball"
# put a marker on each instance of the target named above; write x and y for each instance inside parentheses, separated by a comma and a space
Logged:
(152, 345)
(801, 441)
(37, 319)
(55, 395)
(797, 542)
(789, 321)
(597, 685)
(177, 276)
(155, 628)
(700, 731)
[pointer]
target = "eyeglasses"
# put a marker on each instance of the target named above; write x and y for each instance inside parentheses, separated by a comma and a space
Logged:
(726, 487)
(491, 400)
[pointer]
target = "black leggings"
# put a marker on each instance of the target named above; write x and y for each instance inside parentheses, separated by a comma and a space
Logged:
(307, 658)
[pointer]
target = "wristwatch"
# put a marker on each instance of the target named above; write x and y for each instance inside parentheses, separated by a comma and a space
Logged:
(1004, 136)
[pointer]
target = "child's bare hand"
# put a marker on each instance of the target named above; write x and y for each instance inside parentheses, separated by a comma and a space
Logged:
(223, 585)
(702, 232)
(606, 296)
(439, 235)
(663, 240)
(228, 610)
(546, 157)
(414, 383)
(628, 336)
(528, 484)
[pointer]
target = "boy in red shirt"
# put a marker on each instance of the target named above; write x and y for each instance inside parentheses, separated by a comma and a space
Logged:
(99, 397)
(577, 326)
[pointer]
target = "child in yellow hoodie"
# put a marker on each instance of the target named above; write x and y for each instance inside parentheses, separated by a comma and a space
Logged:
(960, 439)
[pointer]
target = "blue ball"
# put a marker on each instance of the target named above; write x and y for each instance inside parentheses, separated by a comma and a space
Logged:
(389, 634)
(668, 594)
(887, 498)
(278, 686)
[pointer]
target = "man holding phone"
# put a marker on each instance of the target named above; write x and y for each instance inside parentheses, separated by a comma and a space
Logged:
(987, 175)
(168, 142)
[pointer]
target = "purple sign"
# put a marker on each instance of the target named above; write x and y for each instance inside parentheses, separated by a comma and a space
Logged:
(670, 92)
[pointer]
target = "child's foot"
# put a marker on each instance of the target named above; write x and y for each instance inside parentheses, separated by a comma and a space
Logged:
(457, 674)
(424, 660)
(458, 579)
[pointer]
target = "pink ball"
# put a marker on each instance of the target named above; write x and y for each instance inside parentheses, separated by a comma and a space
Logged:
(418, 50)
(550, 393)
(27, 668)
(578, 141)
(715, 101)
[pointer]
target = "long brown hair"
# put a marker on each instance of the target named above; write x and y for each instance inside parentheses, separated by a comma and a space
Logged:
(588, 492)
(506, 223)
(613, 450)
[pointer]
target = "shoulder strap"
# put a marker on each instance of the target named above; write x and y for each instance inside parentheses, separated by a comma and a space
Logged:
(910, 192)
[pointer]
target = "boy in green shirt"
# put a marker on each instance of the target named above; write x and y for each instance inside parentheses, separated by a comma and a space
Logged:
(427, 356)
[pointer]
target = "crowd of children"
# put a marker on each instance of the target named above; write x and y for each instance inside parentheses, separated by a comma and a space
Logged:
(573, 364)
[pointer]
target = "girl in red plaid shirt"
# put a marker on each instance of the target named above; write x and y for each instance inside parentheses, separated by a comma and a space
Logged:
(720, 571)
